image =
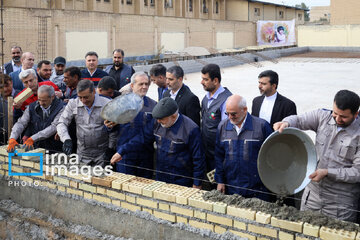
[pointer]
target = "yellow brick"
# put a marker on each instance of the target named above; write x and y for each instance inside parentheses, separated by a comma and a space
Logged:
(285, 236)
(87, 187)
(62, 189)
(163, 206)
(5, 166)
(49, 185)
(165, 216)
(115, 194)
(121, 178)
(263, 217)
(239, 225)
(303, 238)
(197, 201)
(136, 185)
(291, 226)
(26, 179)
(88, 195)
(241, 212)
(2, 172)
(23, 96)
(200, 215)
(16, 169)
(74, 191)
(73, 184)
(201, 225)
(149, 189)
(243, 235)
(103, 181)
(262, 230)
(146, 202)
(130, 199)
(144, 209)
(168, 192)
(331, 234)
(101, 198)
(27, 164)
(182, 198)
(220, 220)
(311, 230)
(219, 229)
(130, 206)
(219, 207)
(61, 180)
(116, 202)
(180, 219)
(101, 190)
(184, 211)
(15, 161)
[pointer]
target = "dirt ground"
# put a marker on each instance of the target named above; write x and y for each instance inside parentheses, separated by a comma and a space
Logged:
(327, 55)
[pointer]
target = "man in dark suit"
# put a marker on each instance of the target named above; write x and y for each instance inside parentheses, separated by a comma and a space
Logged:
(271, 106)
(188, 103)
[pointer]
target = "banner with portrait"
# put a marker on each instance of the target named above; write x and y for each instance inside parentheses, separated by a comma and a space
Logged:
(276, 32)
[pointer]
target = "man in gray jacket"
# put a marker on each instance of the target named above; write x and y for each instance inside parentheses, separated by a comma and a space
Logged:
(93, 139)
(334, 189)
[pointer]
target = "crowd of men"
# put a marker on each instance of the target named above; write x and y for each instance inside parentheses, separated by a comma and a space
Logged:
(176, 139)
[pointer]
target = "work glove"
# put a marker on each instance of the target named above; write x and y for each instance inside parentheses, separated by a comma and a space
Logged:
(29, 144)
(12, 144)
(67, 147)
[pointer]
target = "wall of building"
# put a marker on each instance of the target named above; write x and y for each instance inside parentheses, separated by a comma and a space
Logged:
(237, 10)
(328, 35)
(345, 12)
(318, 13)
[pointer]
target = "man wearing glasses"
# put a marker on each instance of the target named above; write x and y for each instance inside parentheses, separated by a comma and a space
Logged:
(238, 141)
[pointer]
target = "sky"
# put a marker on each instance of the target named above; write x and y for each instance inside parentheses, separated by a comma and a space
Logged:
(309, 3)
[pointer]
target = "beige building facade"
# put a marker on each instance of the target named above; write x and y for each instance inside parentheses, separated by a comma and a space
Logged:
(320, 14)
(345, 12)
(70, 28)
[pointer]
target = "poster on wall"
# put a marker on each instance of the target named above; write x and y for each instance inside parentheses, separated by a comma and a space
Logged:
(276, 32)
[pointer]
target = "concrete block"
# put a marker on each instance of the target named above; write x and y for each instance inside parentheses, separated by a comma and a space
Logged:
(130, 199)
(73, 184)
(197, 201)
(241, 212)
(199, 214)
(165, 216)
(136, 185)
(116, 202)
(285, 236)
(87, 187)
(130, 206)
(219, 229)
(263, 217)
(27, 164)
(288, 225)
(25, 94)
(74, 191)
(182, 198)
(239, 225)
(147, 202)
(332, 234)
(144, 209)
(262, 230)
(88, 195)
(219, 207)
(117, 184)
(201, 225)
(101, 190)
(149, 189)
(243, 235)
(183, 211)
(115, 194)
(103, 181)
(219, 219)
(311, 230)
(61, 188)
(164, 206)
(101, 198)
(62, 181)
(168, 192)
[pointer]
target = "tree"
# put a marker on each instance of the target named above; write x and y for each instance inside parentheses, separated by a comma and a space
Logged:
(306, 13)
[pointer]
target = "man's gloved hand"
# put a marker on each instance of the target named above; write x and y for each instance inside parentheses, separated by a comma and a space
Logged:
(12, 144)
(67, 147)
(29, 144)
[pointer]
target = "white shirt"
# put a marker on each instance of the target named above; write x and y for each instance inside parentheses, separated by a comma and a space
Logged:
(173, 95)
(267, 107)
(238, 129)
(223, 105)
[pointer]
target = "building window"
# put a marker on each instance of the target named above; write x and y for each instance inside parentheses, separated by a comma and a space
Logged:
(122, 1)
(257, 11)
(190, 5)
(145, 3)
(168, 4)
(281, 14)
(217, 7)
(205, 10)
(152, 3)
(300, 16)
(107, 1)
